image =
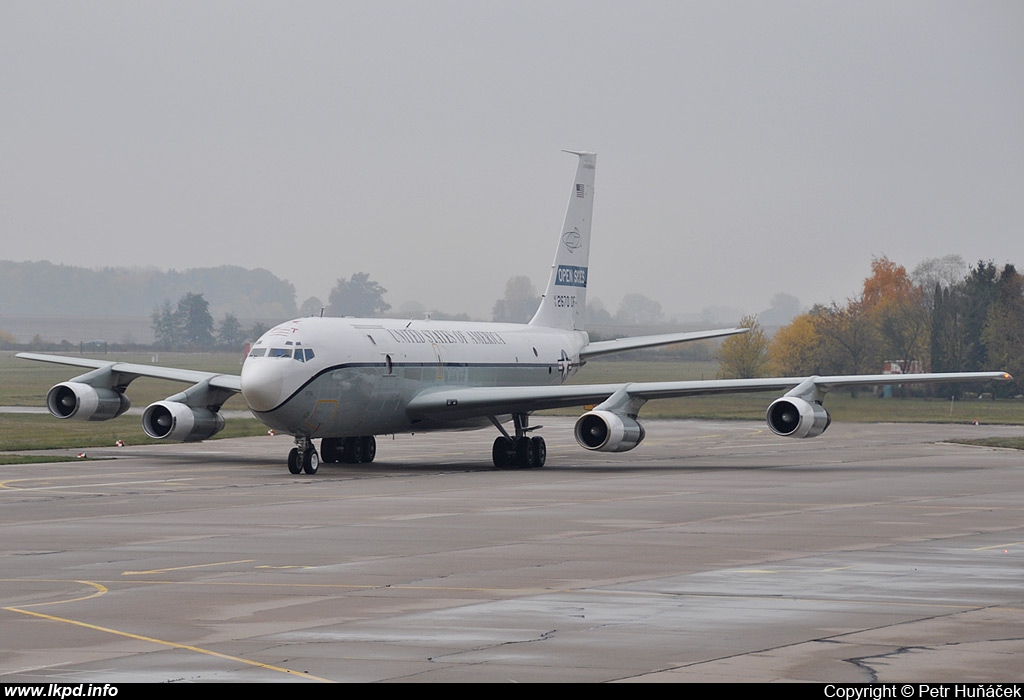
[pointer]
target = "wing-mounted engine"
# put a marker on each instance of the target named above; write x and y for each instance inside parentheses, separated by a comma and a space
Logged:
(77, 400)
(190, 416)
(95, 395)
(170, 420)
(605, 431)
(792, 416)
(612, 426)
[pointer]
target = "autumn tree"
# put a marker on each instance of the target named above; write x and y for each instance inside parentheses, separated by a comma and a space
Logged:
(849, 338)
(904, 324)
(797, 349)
(887, 281)
(897, 308)
(745, 355)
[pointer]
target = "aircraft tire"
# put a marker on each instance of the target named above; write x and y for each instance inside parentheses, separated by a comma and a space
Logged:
(369, 444)
(330, 450)
(526, 453)
(540, 452)
(353, 450)
(294, 461)
(502, 452)
(310, 461)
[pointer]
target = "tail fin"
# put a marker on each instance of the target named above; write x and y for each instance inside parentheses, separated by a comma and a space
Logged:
(565, 298)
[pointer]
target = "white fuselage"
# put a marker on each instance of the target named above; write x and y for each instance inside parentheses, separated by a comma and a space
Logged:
(342, 377)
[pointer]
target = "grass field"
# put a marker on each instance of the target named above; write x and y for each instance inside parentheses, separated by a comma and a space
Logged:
(24, 383)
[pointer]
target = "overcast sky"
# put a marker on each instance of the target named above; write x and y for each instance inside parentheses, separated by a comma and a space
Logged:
(745, 148)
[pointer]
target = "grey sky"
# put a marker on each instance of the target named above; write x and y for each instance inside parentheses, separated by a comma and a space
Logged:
(746, 148)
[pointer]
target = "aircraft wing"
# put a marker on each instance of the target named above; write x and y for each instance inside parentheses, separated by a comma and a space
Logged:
(127, 371)
(607, 347)
(455, 404)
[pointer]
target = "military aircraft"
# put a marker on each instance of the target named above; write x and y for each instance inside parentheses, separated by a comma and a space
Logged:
(345, 380)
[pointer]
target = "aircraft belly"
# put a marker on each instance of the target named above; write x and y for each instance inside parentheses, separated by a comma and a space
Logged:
(367, 400)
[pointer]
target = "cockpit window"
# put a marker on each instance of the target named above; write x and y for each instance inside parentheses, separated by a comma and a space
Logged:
(303, 354)
(300, 354)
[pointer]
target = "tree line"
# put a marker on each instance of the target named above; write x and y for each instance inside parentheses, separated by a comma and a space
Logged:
(45, 289)
(189, 326)
(943, 317)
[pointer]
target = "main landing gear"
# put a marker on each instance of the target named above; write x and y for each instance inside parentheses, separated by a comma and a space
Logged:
(355, 450)
(521, 451)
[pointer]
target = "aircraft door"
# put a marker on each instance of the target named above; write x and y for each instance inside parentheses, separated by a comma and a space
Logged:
(440, 361)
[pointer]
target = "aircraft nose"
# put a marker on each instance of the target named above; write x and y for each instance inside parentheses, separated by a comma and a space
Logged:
(262, 381)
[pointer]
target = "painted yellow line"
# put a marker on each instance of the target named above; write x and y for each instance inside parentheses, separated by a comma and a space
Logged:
(173, 645)
(182, 568)
(100, 589)
(999, 546)
(344, 586)
(7, 484)
(789, 571)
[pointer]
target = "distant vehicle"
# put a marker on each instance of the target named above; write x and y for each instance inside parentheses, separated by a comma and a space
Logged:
(345, 380)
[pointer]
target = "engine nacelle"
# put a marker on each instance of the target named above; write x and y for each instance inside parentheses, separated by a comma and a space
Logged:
(79, 401)
(794, 417)
(170, 420)
(605, 431)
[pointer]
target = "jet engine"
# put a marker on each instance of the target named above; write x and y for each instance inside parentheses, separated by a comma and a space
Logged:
(85, 402)
(177, 422)
(605, 431)
(794, 417)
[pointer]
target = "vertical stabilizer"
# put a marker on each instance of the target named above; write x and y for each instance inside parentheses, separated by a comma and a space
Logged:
(565, 298)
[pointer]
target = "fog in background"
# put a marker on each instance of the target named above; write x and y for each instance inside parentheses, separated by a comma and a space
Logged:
(745, 148)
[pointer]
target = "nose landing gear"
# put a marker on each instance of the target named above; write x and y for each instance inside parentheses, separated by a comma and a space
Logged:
(303, 457)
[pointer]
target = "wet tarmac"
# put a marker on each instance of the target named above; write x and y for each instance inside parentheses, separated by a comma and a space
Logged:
(715, 551)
